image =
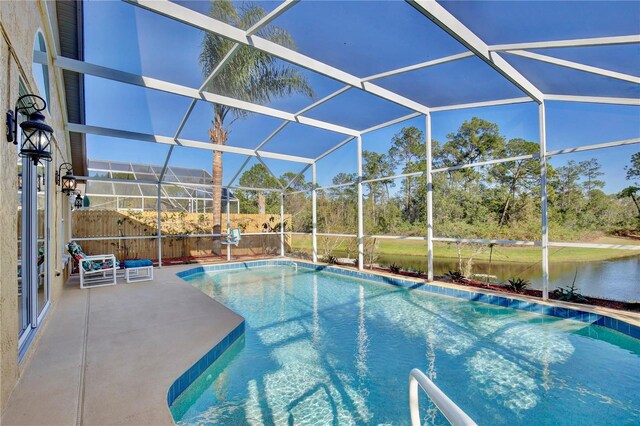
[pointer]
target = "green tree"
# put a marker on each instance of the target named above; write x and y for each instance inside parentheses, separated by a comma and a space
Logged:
(376, 166)
(591, 172)
(633, 171)
(259, 177)
(516, 175)
(475, 140)
(250, 74)
(566, 185)
(634, 193)
(294, 182)
(297, 204)
(409, 149)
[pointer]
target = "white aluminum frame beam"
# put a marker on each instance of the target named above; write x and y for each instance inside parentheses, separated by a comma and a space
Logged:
(429, 174)
(334, 148)
(205, 23)
(419, 66)
(282, 253)
(177, 89)
(596, 246)
(248, 188)
(597, 41)
(576, 66)
(211, 76)
(269, 17)
(337, 185)
(485, 163)
(166, 164)
(167, 140)
(486, 241)
(445, 20)
(542, 121)
(125, 181)
(297, 177)
(270, 172)
(302, 111)
(325, 99)
(392, 122)
(593, 99)
(592, 147)
(314, 214)
(401, 176)
(360, 205)
(272, 135)
(482, 104)
(244, 164)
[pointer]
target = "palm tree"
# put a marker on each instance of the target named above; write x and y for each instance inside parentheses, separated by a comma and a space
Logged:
(631, 191)
(250, 75)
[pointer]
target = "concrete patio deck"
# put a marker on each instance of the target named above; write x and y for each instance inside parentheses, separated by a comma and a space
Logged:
(108, 355)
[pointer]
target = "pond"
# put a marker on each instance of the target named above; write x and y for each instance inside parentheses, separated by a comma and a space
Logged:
(617, 279)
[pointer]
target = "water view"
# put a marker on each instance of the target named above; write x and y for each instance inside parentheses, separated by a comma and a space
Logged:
(617, 279)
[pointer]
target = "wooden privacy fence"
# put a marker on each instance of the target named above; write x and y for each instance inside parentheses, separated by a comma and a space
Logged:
(133, 235)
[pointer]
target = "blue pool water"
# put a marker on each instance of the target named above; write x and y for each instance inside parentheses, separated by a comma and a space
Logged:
(322, 348)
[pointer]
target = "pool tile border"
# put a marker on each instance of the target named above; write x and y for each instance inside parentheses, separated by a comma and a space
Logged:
(193, 372)
(504, 301)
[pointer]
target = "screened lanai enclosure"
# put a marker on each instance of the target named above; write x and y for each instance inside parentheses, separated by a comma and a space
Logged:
(185, 190)
(495, 139)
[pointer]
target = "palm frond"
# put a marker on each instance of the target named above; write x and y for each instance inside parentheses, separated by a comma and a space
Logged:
(250, 75)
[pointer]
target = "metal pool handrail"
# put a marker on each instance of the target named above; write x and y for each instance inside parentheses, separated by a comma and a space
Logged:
(451, 411)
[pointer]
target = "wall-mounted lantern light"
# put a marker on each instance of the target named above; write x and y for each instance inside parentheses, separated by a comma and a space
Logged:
(36, 134)
(68, 181)
(78, 201)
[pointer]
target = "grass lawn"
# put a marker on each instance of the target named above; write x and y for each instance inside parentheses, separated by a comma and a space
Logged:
(500, 253)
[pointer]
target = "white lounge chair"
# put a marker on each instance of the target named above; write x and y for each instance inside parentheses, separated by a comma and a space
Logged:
(95, 271)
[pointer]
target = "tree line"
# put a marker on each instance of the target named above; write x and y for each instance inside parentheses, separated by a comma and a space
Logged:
(500, 200)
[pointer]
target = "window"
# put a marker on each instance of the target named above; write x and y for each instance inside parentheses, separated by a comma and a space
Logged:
(40, 67)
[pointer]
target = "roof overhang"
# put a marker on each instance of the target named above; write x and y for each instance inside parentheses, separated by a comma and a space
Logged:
(71, 35)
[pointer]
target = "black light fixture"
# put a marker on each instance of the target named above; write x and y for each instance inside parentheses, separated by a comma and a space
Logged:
(68, 180)
(36, 140)
(78, 201)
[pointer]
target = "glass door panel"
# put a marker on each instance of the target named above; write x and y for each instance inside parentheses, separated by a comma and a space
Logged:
(23, 290)
(42, 229)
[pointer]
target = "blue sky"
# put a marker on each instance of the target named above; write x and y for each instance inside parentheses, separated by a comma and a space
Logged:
(363, 41)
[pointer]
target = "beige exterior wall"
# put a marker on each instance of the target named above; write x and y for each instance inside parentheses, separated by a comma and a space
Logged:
(19, 21)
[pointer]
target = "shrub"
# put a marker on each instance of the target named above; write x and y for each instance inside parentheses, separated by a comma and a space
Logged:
(569, 293)
(330, 259)
(394, 268)
(517, 284)
(455, 276)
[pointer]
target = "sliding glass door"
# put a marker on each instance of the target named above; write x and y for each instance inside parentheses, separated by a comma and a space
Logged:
(33, 185)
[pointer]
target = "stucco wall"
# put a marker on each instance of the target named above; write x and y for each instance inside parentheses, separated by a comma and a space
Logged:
(18, 22)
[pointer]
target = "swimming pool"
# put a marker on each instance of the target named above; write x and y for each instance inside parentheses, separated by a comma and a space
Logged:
(323, 348)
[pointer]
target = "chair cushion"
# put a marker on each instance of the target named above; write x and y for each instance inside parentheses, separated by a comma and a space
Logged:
(75, 250)
(139, 263)
(88, 265)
